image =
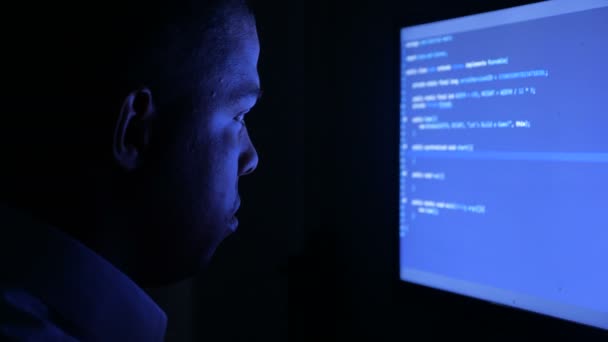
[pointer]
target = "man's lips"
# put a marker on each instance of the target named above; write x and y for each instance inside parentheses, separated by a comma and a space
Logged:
(237, 205)
(233, 222)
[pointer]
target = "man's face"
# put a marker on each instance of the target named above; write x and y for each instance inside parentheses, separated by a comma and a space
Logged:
(193, 190)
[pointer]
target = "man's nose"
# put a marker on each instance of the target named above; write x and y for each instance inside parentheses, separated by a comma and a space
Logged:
(248, 161)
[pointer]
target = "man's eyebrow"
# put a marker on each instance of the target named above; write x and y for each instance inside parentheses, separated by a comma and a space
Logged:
(250, 89)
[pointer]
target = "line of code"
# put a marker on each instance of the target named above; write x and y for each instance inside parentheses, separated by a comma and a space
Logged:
(504, 157)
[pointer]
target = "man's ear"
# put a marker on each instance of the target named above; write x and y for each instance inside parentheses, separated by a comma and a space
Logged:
(132, 128)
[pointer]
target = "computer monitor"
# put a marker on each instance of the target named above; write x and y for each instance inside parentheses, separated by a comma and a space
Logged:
(504, 158)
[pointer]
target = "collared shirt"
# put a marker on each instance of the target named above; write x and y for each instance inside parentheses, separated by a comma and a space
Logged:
(53, 288)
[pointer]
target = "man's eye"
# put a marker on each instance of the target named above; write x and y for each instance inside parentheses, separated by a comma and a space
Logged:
(241, 118)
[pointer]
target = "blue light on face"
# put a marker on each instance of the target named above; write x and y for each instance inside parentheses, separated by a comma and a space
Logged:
(503, 158)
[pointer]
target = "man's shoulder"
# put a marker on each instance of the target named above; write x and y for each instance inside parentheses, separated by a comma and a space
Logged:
(24, 317)
(63, 289)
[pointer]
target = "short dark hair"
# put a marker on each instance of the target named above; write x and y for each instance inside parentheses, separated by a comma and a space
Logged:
(71, 66)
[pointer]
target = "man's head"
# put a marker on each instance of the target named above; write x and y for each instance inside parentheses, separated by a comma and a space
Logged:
(143, 132)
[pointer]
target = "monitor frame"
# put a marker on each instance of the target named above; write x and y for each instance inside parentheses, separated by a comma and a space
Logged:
(438, 27)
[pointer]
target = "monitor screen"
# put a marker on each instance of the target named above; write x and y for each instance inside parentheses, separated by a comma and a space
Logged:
(504, 158)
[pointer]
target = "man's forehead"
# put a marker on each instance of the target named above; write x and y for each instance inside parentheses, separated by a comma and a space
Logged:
(239, 71)
(235, 74)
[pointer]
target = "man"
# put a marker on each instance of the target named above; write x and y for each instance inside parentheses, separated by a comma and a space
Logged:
(125, 142)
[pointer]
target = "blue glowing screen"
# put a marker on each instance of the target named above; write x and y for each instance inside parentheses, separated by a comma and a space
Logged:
(504, 158)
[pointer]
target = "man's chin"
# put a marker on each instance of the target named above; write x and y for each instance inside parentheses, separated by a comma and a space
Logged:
(211, 248)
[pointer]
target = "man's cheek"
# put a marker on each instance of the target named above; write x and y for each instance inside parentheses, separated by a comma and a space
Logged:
(230, 139)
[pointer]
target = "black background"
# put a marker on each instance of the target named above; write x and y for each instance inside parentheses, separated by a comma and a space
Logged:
(315, 257)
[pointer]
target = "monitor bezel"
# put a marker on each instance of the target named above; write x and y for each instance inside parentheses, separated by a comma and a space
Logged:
(525, 319)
